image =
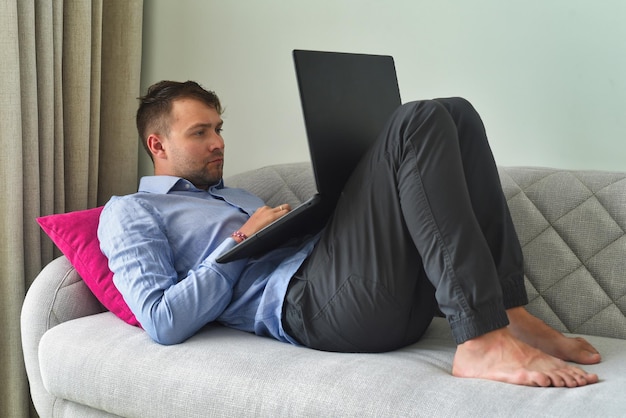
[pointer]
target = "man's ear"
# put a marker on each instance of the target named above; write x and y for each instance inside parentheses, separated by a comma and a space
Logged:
(155, 145)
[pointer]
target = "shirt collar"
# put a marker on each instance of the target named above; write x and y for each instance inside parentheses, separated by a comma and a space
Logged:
(166, 184)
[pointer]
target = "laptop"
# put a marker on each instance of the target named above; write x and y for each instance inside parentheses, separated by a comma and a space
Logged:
(346, 101)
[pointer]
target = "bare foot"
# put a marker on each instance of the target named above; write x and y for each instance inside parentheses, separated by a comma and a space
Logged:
(535, 332)
(499, 356)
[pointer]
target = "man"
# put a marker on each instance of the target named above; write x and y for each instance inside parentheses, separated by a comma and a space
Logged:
(421, 223)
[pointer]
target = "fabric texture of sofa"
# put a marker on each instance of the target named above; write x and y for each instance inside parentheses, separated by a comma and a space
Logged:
(82, 361)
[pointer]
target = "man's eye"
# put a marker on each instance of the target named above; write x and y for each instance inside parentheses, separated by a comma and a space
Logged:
(199, 133)
(219, 130)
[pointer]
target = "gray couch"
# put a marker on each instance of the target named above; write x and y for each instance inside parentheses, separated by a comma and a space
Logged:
(82, 361)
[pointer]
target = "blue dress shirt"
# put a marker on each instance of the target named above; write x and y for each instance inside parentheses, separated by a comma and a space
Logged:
(162, 243)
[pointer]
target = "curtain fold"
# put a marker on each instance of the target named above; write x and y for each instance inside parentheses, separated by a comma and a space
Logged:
(69, 78)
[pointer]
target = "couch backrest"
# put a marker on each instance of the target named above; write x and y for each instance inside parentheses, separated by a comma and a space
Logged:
(282, 183)
(571, 226)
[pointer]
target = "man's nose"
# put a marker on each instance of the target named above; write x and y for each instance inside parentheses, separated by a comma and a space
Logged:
(217, 142)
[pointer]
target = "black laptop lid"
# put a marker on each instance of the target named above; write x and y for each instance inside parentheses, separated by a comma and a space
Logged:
(346, 101)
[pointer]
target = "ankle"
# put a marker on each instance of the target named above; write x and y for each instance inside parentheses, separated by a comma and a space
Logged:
(486, 341)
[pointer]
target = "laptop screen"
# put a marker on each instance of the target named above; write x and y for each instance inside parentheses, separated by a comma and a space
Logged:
(346, 100)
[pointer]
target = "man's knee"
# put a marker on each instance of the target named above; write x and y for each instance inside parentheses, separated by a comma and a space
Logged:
(422, 110)
(428, 105)
(457, 106)
(460, 102)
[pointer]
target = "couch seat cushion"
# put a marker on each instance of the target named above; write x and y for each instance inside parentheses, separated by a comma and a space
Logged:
(108, 365)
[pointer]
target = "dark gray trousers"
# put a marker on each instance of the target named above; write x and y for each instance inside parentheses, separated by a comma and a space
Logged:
(421, 223)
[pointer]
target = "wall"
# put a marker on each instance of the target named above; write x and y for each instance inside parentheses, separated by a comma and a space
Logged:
(549, 78)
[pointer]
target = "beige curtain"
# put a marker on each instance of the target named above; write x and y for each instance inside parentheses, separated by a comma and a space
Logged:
(69, 78)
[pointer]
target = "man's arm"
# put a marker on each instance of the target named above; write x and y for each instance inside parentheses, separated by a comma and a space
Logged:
(169, 308)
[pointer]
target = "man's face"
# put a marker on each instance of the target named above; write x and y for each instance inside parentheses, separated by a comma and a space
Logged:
(194, 148)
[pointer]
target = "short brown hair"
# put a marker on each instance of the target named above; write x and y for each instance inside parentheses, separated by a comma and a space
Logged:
(155, 107)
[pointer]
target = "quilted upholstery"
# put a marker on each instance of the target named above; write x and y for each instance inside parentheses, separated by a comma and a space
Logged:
(571, 226)
(284, 183)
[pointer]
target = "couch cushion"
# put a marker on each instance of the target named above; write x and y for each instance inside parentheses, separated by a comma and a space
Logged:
(224, 372)
(75, 234)
(571, 225)
(284, 183)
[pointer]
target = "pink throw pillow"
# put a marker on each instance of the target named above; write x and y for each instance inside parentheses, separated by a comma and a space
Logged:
(75, 234)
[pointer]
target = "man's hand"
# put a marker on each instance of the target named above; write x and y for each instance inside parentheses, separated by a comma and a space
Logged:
(263, 216)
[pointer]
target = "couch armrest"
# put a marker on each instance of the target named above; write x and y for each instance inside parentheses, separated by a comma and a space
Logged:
(57, 295)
